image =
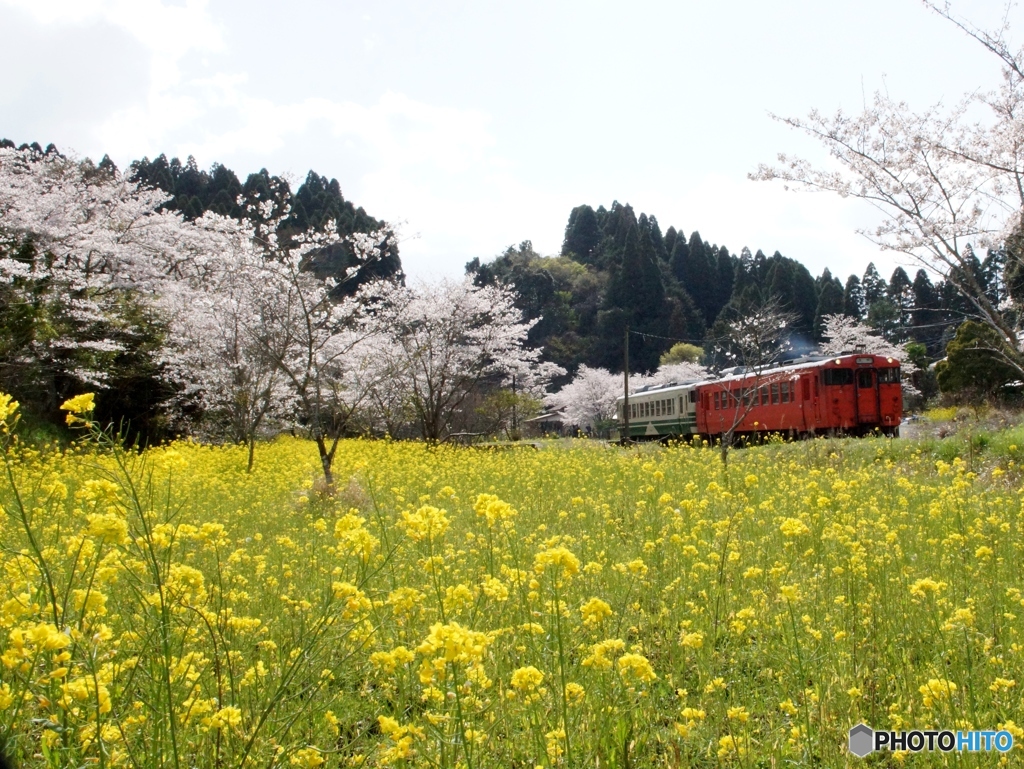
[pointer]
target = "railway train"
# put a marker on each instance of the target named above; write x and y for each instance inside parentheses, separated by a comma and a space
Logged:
(851, 394)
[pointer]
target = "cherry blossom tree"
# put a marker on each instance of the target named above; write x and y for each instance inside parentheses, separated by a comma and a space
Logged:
(589, 399)
(82, 252)
(940, 181)
(446, 341)
(252, 333)
(318, 339)
(843, 334)
(216, 354)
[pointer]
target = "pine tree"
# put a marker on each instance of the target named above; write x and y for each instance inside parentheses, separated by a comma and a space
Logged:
(679, 258)
(670, 241)
(582, 235)
(724, 279)
(900, 294)
(853, 298)
(873, 284)
(926, 318)
(698, 278)
(830, 302)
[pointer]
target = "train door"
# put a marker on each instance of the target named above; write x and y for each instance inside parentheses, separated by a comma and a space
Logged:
(867, 396)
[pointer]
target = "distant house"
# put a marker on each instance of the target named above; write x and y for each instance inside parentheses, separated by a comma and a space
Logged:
(549, 423)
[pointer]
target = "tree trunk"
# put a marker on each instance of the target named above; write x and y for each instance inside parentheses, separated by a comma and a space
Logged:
(724, 447)
(326, 460)
(252, 452)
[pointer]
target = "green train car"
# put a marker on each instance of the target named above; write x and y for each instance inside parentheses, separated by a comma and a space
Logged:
(660, 411)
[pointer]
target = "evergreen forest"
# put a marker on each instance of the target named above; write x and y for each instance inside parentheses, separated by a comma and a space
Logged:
(617, 269)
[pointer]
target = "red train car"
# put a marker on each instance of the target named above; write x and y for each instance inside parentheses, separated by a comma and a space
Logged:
(854, 394)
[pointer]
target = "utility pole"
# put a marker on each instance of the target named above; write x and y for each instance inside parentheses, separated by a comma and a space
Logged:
(625, 388)
(515, 422)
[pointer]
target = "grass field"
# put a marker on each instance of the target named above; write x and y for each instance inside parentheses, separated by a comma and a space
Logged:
(580, 605)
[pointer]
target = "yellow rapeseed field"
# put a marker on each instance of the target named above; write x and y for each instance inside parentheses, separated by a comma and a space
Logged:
(582, 605)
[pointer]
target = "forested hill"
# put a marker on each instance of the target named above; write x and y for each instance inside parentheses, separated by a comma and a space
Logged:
(617, 268)
(317, 201)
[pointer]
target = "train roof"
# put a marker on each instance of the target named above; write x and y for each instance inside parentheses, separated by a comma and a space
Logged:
(739, 373)
(799, 364)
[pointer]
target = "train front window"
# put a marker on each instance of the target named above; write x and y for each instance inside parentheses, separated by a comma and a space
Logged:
(888, 376)
(865, 378)
(838, 376)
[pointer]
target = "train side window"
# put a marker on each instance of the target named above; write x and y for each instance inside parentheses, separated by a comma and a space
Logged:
(807, 388)
(737, 398)
(693, 396)
(784, 389)
(657, 408)
(717, 402)
(764, 395)
(775, 394)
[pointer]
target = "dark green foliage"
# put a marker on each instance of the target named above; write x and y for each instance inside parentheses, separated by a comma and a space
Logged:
(978, 362)
(884, 316)
(830, 302)
(582, 235)
(670, 241)
(698, 277)
(873, 285)
(853, 298)
(927, 318)
(635, 288)
(678, 258)
(725, 276)
(901, 295)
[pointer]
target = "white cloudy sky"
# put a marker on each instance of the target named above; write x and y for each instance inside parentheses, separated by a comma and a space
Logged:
(481, 124)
